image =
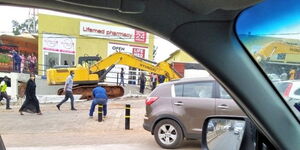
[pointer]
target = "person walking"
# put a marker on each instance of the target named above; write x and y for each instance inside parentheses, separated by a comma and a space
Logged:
(142, 82)
(100, 97)
(68, 92)
(154, 81)
(292, 74)
(31, 102)
(283, 76)
(3, 93)
(122, 76)
(297, 75)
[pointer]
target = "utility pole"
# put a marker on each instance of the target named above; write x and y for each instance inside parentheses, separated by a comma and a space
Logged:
(32, 16)
(34, 21)
(154, 51)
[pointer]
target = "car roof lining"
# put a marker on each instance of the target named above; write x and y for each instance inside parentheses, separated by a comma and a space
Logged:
(209, 6)
(177, 11)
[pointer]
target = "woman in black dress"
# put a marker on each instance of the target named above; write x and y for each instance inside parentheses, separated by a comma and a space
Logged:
(31, 103)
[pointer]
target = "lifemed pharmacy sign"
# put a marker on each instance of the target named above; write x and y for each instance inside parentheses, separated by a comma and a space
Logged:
(113, 32)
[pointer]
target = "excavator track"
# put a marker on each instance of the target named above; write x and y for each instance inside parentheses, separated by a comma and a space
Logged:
(85, 91)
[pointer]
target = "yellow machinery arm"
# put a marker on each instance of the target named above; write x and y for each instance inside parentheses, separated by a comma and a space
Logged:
(85, 75)
(162, 68)
(275, 48)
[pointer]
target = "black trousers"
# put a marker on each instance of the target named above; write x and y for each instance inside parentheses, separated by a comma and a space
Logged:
(153, 85)
(142, 88)
(4, 95)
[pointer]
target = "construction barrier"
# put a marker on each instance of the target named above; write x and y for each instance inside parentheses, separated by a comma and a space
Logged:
(127, 116)
(100, 116)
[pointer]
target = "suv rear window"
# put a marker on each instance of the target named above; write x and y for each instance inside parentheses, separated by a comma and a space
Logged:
(224, 94)
(179, 90)
(198, 89)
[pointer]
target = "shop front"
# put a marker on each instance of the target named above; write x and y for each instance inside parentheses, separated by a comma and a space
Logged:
(64, 39)
(58, 50)
(18, 53)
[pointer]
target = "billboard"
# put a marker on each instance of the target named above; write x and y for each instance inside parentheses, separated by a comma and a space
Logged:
(113, 32)
(139, 51)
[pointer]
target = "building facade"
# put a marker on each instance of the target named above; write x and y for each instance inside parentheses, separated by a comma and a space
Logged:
(186, 65)
(62, 40)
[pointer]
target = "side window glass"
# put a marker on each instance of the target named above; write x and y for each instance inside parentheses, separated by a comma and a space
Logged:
(178, 90)
(200, 90)
(224, 94)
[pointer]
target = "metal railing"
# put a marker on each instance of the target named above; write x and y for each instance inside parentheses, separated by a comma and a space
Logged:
(129, 78)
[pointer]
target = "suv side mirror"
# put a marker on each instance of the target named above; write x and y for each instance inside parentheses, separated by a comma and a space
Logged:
(228, 133)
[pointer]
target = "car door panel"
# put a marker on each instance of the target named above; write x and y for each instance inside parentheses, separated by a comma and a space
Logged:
(192, 111)
(225, 105)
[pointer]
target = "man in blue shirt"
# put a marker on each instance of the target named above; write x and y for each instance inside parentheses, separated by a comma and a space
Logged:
(17, 61)
(100, 97)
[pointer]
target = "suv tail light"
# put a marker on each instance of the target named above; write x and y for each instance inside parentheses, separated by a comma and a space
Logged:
(288, 90)
(151, 100)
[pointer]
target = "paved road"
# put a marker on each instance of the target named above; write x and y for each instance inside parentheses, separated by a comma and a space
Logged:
(226, 141)
(68, 129)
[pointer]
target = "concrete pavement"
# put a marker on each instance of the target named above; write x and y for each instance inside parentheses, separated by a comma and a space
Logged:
(68, 129)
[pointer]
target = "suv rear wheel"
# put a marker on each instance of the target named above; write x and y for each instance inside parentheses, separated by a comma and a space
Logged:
(168, 134)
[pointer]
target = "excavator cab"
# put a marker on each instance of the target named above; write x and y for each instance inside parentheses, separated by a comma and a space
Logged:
(87, 61)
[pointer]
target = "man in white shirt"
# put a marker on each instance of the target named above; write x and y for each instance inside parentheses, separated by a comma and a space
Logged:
(68, 92)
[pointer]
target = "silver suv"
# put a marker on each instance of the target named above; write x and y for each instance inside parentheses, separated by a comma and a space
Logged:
(177, 109)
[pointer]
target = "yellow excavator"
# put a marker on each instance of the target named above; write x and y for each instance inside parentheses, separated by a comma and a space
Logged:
(279, 57)
(279, 51)
(88, 76)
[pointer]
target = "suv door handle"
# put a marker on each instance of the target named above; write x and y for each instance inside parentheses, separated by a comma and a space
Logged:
(179, 103)
(223, 106)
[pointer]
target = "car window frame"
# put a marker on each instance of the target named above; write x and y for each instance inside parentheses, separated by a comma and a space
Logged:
(259, 67)
(218, 92)
(213, 92)
(262, 127)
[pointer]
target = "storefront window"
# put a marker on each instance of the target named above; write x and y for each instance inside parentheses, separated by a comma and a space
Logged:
(58, 50)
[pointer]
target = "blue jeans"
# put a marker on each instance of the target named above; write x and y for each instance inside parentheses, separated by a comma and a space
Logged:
(17, 67)
(97, 101)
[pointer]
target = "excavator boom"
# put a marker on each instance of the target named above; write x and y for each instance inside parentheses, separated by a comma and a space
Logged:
(88, 77)
(162, 68)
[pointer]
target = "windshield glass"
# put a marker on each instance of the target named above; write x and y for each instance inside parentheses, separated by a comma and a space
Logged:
(70, 55)
(271, 34)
